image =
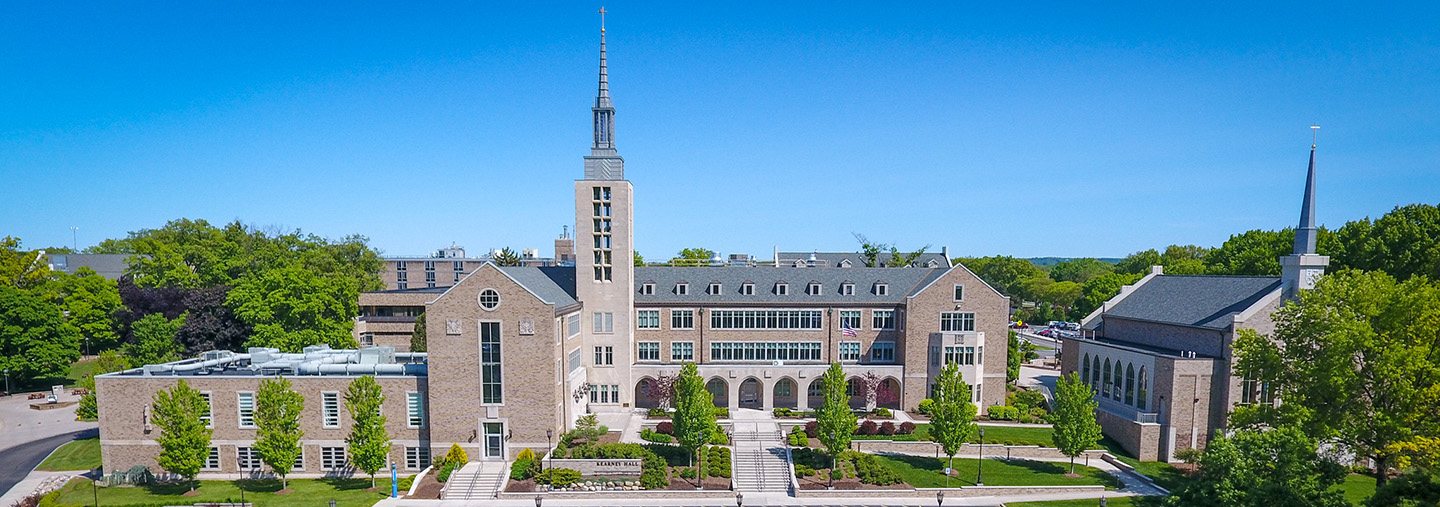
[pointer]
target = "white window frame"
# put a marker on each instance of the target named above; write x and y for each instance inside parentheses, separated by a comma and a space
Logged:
(240, 410)
(682, 289)
(877, 348)
(782, 289)
(604, 355)
(414, 409)
(603, 322)
(849, 352)
(716, 289)
(417, 458)
(847, 289)
(209, 416)
(959, 292)
(875, 320)
(325, 418)
(682, 347)
(247, 458)
(333, 458)
(956, 322)
(682, 312)
(882, 289)
(640, 352)
(647, 289)
(857, 315)
(747, 289)
(212, 460)
(644, 316)
(816, 288)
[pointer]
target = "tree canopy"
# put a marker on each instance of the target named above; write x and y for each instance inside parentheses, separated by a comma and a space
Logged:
(184, 440)
(368, 443)
(1080, 270)
(35, 339)
(952, 416)
(694, 416)
(291, 308)
(277, 423)
(154, 340)
(1276, 467)
(833, 419)
(1076, 430)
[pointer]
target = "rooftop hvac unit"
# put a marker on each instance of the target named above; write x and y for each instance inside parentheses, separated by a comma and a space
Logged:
(377, 355)
(530, 253)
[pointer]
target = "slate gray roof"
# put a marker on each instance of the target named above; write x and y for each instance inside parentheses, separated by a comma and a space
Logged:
(110, 266)
(833, 259)
(1197, 301)
(902, 282)
(549, 284)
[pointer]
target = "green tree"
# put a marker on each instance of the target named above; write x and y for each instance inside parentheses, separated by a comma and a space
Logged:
(1006, 274)
(91, 301)
(1100, 289)
(1258, 252)
(109, 361)
(291, 308)
(369, 444)
(1416, 488)
(1062, 294)
(35, 340)
(154, 340)
(1138, 263)
(277, 422)
(1021, 352)
(1080, 270)
(1355, 361)
(1276, 467)
(639, 260)
(21, 268)
(696, 254)
(899, 260)
(834, 420)
(1074, 417)
(184, 440)
(694, 415)
(1404, 242)
(417, 337)
(506, 257)
(952, 416)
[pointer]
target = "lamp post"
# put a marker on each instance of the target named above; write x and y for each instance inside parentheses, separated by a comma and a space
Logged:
(95, 485)
(939, 499)
(549, 434)
(980, 465)
(537, 500)
(739, 499)
(832, 464)
(7, 382)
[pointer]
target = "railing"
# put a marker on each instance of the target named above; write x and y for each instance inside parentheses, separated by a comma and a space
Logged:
(1127, 412)
(387, 319)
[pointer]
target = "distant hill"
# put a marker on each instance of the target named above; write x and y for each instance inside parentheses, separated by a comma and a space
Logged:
(1051, 261)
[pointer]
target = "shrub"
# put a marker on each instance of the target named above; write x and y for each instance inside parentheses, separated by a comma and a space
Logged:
(1189, 455)
(812, 429)
(658, 412)
(837, 474)
(798, 439)
(525, 454)
(811, 458)
(405, 482)
(717, 461)
(558, 477)
(1002, 413)
(782, 412)
(868, 428)
(1039, 413)
(888, 428)
(883, 412)
(721, 412)
(718, 436)
(871, 471)
(456, 455)
(803, 471)
(906, 428)
(925, 405)
(653, 436)
(687, 473)
(445, 471)
(1025, 399)
(665, 428)
(519, 469)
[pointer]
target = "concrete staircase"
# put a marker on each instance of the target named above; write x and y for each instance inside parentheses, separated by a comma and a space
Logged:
(759, 461)
(477, 480)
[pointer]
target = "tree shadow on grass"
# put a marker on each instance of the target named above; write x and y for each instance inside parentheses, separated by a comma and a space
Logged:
(259, 485)
(350, 483)
(170, 488)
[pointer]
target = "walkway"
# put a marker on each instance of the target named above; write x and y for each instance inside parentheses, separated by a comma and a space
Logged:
(759, 462)
(477, 480)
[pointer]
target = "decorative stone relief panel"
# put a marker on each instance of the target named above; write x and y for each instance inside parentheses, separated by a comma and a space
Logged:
(527, 326)
(452, 326)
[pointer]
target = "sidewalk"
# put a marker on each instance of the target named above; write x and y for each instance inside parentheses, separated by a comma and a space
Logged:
(28, 485)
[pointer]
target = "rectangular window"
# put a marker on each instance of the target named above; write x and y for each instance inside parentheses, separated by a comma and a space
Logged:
(604, 394)
(332, 458)
(881, 289)
(367, 339)
(959, 292)
(960, 355)
(847, 289)
(400, 266)
(247, 458)
(765, 351)
(747, 289)
(957, 321)
(574, 325)
(212, 461)
(782, 289)
(934, 356)
(299, 460)
(574, 359)
(648, 351)
(490, 387)
(604, 322)
(208, 415)
(647, 319)
(766, 319)
(850, 319)
(849, 351)
(882, 319)
(882, 352)
(330, 409)
(682, 289)
(414, 410)
(402, 285)
(647, 289)
(682, 351)
(246, 404)
(682, 319)
(458, 265)
(814, 289)
(604, 356)
(715, 289)
(417, 458)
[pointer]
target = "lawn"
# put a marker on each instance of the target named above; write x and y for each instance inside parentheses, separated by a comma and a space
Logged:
(923, 472)
(1008, 435)
(81, 454)
(261, 493)
(1358, 488)
(80, 370)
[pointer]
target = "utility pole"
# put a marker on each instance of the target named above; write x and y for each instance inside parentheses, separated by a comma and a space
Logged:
(75, 239)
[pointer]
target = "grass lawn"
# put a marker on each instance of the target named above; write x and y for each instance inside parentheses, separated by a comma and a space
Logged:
(993, 435)
(1358, 488)
(345, 492)
(924, 472)
(80, 370)
(78, 455)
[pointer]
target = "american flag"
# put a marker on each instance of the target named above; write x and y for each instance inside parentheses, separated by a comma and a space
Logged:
(845, 330)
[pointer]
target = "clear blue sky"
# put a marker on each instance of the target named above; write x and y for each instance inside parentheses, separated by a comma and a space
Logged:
(1067, 129)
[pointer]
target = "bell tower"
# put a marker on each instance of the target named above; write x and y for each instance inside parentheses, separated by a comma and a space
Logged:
(1299, 270)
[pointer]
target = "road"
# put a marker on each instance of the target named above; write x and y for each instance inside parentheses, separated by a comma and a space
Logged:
(21, 459)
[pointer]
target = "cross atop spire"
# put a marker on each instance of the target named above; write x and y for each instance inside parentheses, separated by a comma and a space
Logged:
(1307, 234)
(603, 111)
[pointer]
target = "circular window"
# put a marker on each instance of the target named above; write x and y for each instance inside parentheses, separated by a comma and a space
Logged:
(489, 299)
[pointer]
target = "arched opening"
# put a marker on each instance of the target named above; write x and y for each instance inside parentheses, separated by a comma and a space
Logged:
(720, 391)
(855, 390)
(815, 394)
(785, 395)
(1117, 394)
(1140, 398)
(1105, 377)
(1085, 370)
(1130, 384)
(647, 393)
(750, 392)
(887, 395)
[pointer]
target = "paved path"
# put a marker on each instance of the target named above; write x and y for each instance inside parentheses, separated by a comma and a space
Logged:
(21, 459)
(20, 424)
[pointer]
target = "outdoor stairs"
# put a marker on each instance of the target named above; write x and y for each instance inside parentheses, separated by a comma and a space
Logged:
(760, 461)
(477, 480)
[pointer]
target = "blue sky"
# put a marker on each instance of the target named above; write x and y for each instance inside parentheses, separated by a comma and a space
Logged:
(1067, 129)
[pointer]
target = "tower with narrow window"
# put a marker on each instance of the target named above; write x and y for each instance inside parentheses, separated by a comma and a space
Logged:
(604, 267)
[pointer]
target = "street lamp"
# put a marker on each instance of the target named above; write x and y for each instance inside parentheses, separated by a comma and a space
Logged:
(739, 499)
(549, 434)
(7, 382)
(939, 498)
(537, 500)
(980, 465)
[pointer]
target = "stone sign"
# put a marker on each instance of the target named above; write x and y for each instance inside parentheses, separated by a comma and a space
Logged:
(601, 467)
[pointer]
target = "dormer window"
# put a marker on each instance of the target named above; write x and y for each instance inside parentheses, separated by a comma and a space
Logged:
(933, 263)
(847, 289)
(747, 289)
(845, 263)
(714, 288)
(881, 289)
(682, 289)
(647, 289)
(814, 288)
(799, 263)
(782, 289)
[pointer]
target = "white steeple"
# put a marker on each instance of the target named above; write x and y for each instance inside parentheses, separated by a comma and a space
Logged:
(1299, 270)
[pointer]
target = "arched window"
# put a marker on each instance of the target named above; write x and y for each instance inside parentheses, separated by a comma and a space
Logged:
(1130, 384)
(1140, 400)
(1085, 375)
(1105, 390)
(1117, 394)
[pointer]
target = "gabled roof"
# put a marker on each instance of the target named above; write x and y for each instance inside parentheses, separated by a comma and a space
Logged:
(553, 285)
(1195, 301)
(903, 282)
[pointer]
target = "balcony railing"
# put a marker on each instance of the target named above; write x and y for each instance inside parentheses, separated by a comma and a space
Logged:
(387, 319)
(1128, 412)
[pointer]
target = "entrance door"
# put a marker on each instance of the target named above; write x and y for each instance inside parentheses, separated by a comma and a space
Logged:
(494, 441)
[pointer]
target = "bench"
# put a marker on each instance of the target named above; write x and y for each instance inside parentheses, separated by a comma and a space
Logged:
(37, 396)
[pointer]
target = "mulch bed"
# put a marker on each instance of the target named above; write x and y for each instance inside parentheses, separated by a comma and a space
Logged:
(526, 485)
(429, 488)
(711, 483)
(820, 482)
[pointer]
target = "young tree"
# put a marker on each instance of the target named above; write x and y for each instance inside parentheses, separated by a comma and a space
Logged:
(184, 440)
(1275, 467)
(1074, 417)
(872, 389)
(277, 419)
(834, 420)
(506, 257)
(417, 337)
(694, 409)
(154, 340)
(1354, 361)
(369, 444)
(35, 340)
(108, 362)
(952, 417)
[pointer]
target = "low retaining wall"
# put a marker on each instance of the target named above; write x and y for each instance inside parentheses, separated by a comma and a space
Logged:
(961, 492)
(996, 450)
(602, 495)
(600, 467)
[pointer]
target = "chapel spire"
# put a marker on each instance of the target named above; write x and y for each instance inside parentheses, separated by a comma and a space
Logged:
(1300, 270)
(604, 112)
(1306, 233)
